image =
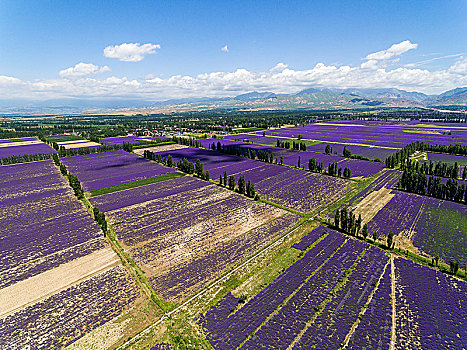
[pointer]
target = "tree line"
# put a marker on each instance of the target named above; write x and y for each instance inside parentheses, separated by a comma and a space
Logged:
(78, 190)
(24, 158)
(62, 152)
(404, 154)
(347, 221)
(184, 165)
(300, 146)
(415, 180)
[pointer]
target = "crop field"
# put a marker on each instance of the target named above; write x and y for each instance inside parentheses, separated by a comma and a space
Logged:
(373, 133)
(190, 230)
(431, 225)
(18, 147)
(52, 257)
(107, 169)
(340, 295)
(78, 144)
(153, 256)
(371, 152)
(359, 168)
(312, 304)
(431, 308)
(129, 139)
(293, 188)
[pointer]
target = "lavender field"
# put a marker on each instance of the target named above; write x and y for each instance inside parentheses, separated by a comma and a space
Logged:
(293, 188)
(57, 272)
(359, 168)
(286, 313)
(99, 170)
(433, 226)
(374, 133)
(190, 229)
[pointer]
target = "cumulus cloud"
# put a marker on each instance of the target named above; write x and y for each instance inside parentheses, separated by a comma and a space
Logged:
(394, 50)
(131, 52)
(82, 69)
(225, 49)
(280, 78)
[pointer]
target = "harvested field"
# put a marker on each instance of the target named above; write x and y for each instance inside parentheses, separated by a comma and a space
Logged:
(161, 148)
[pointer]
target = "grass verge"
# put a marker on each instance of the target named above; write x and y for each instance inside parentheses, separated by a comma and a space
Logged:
(133, 184)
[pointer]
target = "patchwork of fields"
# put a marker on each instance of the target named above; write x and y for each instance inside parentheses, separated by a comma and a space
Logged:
(53, 255)
(293, 188)
(339, 294)
(185, 232)
(198, 265)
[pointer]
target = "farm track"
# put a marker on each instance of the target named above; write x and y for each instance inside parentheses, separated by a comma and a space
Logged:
(39, 287)
(208, 287)
(364, 309)
(286, 300)
(393, 301)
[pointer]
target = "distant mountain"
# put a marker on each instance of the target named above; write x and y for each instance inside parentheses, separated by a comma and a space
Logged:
(251, 96)
(373, 93)
(452, 97)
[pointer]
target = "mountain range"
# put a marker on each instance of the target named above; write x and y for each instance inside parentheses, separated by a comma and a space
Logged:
(310, 98)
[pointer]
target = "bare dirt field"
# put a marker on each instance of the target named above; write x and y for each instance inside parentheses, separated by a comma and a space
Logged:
(161, 148)
(30, 291)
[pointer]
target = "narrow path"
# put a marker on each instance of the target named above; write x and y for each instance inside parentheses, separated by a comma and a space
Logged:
(364, 308)
(213, 284)
(393, 301)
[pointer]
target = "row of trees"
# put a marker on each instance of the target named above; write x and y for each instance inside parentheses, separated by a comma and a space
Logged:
(72, 179)
(348, 222)
(404, 154)
(301, 146)
(417, 182)
(89, 150)
(99, 217)
(334, 170)
(25, 158)
(247, 188)
(436, 169)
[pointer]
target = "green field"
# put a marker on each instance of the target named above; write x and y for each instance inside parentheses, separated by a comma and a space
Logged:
(133, 184)
(63, 138)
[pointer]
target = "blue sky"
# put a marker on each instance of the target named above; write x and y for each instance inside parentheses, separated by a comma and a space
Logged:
(51, 49)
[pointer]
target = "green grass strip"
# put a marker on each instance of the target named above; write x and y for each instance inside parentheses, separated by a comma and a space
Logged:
(152, 144)
(133, 184)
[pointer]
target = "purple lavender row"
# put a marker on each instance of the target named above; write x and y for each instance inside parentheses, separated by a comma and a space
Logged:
(193, 275)
(81, 308)
(37, 242)
(120, 199)
(35, 267)
(374, 330)
(232, 331)
(159, 205)
(311, 237)
(220, 311)
(280, 330)
(25, 149)
(158, 226)
(112, 168)
(439, 226)
(162, 346)
(431, 308)
(335, 321)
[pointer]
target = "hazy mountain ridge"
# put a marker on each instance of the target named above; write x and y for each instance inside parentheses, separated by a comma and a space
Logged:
(310, 98)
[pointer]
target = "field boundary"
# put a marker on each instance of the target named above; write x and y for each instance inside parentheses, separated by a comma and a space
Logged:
(134, 184)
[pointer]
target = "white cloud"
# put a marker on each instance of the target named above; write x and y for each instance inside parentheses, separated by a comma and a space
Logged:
(394, 50)
(225, 49)
(82, 69)
(280, 79)
(132, 52)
